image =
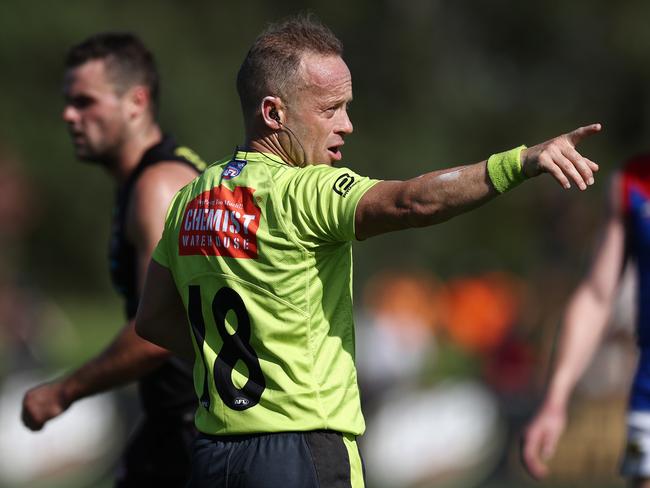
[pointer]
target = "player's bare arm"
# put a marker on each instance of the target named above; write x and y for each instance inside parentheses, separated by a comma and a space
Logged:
(155, 190)
(121, 362)
(437, 196)
(146, 215)
(128, 357)
(583, 327)
(164, 310)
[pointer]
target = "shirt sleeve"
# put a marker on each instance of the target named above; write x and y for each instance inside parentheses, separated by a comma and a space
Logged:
(322, 202)
(160, 253)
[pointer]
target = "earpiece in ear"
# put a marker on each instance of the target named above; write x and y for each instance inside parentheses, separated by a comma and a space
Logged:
(273, 113)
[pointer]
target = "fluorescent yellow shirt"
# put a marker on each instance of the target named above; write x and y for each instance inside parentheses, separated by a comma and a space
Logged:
(261, 255)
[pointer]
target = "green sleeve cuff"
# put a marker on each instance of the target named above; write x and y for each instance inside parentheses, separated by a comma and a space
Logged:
(504, 169)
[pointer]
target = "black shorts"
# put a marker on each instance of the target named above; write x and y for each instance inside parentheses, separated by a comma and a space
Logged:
(158, 454)
(315, 459)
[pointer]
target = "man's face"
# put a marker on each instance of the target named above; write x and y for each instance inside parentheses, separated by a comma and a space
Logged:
(95, 113)
(317, 110)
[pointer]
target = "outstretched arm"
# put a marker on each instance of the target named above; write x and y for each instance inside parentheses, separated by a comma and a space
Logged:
(128, 357)
(583, 325)
(437, 196)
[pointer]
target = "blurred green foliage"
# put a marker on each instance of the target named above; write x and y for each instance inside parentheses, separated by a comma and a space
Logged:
(437, 83)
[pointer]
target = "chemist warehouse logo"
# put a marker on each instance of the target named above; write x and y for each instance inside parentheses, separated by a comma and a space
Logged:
(220, 222)
(343, 184)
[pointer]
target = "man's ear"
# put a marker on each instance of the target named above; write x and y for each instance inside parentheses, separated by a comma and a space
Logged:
(272, 112)
(138, 100)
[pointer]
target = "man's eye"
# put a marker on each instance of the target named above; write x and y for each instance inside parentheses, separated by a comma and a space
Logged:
(81, 102)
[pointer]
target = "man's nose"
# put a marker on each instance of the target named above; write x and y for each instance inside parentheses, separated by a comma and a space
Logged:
(345, 126)
(69, 114)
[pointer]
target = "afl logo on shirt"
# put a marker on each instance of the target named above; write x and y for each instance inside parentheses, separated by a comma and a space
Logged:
(343, 184)
(233, 169)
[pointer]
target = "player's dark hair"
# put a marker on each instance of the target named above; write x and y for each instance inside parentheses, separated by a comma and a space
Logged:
(128, 62)
(272, 62)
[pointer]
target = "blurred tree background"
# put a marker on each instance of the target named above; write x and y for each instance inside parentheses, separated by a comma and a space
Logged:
(436, 83)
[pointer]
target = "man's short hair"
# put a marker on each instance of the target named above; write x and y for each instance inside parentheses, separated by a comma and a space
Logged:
(127, 60)
(271, 64)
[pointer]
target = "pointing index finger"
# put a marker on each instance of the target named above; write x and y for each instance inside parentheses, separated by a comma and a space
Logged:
(579, 134)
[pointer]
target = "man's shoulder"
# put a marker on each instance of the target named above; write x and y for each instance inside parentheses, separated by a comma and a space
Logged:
(322, 171)
(175, 172)
(164, 177)
(167, 149)
(188, 155)
(339, 179)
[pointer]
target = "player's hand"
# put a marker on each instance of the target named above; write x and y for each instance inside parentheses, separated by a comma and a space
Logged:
(540, 440)
(559, 157)
(41, 404)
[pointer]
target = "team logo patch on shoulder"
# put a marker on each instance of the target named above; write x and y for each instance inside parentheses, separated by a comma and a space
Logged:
(233, 169)
(221, 222)
(344, 184)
